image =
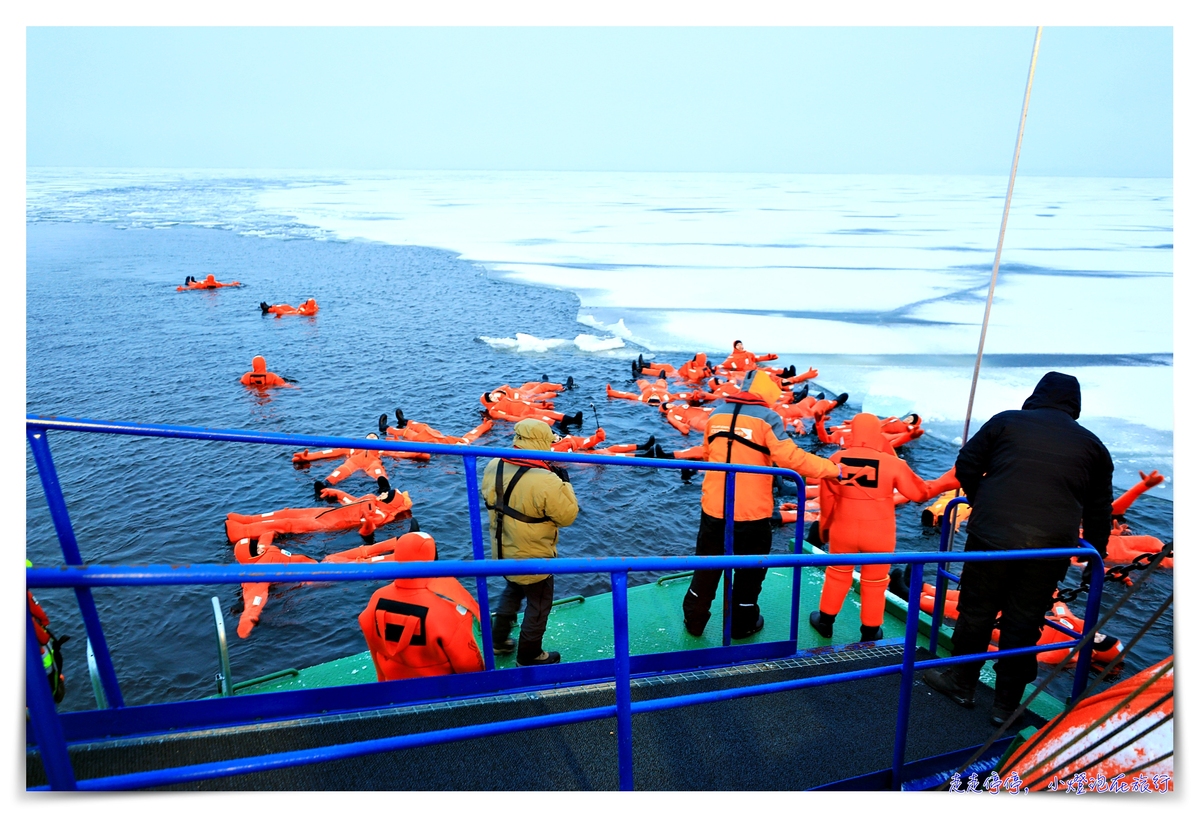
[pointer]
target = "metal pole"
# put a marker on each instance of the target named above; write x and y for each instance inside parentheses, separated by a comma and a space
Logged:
(43, 717)
(906, 672)
(620, 581)
(481, 589)
(797, 573)
(727, 584)
(1012, 178)
(40, 444)
(1095, 592)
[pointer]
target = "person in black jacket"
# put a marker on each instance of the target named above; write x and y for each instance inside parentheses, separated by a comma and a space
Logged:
(1032, 476)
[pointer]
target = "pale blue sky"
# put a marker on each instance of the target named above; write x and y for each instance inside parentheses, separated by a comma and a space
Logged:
(822, 100)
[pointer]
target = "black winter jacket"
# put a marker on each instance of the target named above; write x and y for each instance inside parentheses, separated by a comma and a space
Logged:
(1033, 475)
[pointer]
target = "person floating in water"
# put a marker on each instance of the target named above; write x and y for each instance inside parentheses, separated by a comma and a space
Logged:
(418, 432)
(260, 551)
(260, 378)
(501, 407)
(367, 513)
(209, 283)
(309, 307)
(364, 460)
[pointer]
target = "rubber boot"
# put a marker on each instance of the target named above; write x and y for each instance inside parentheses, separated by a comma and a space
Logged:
(383, 424)
(264, 306)
(318, 486)
(570, 384)
(870, 633)
(822, 623)
(400, 420)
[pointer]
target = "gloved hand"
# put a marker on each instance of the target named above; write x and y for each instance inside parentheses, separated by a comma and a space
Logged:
(1152, 479)
(561, 473)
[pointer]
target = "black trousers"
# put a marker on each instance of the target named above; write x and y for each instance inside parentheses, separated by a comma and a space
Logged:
(749, 537)
(538, 597)
(1023, 590)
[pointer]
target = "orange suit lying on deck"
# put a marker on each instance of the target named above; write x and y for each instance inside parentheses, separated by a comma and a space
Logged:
(858, 515)
(424, 626)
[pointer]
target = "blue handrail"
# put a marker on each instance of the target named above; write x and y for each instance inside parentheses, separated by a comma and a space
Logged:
(46, 723)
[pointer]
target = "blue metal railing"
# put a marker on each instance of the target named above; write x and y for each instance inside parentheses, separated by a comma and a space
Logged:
(47, 727)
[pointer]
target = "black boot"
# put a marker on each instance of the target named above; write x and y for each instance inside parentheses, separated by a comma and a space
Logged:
(1008, 699)
(264, 306)
(820, 396)
(870, 633)
(383, 424)
(318, 486)
(400, 420)
(686, 475)
(946, 680)
(842, 398)
(801, 394)
(822, 623)
(501, 628)
(544, 658)
(570, 384)
(577, 419)
(649, 444)
(661, 453)
(753, 629)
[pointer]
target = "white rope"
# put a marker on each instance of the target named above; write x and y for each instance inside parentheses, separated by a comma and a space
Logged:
(1012, 178)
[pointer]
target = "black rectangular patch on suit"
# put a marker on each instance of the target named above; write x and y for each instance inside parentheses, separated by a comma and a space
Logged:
(392, 632)
(868, 471)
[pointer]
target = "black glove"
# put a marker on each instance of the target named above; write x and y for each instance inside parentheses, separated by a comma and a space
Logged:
(561, 473)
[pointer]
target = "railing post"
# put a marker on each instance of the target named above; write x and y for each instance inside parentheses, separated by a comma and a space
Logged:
(40, 446)
(43, 717)
(797, 571)
(906, 672)
(481, 589)
(620, 582)
(1091, 614)
(727, 583)
(939, 594)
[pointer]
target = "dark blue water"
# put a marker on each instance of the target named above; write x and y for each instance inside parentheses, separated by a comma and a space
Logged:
(108, 337)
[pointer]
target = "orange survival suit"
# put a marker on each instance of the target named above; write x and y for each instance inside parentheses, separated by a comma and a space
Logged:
(421, 627)
(742, 360)
(502, 407)
(259, 377)
(368, 513)
(254, 594)
(858, 517)
(209, 283)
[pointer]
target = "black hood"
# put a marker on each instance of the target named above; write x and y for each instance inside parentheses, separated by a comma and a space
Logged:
(1056, 391)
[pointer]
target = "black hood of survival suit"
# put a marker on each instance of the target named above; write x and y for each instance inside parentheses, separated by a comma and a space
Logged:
(1056, 391)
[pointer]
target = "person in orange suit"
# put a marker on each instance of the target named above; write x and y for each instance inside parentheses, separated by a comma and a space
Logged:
(858, 517)
(696, 370)
(417, 432)
(1147, 482)
(794, 414)
(897, 431)
(368, 513)
(259, 378)
(364, 460)
(501, 407)
(308, 307)
(422, 626)
(743, 430)
(686, 418)
(579, 443)
(654, 392)
(742, 360)
(260, 551)
(654, 369)
(209, 283)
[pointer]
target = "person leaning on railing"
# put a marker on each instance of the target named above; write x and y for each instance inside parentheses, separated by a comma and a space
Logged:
(1032, 476)
(743, 430)
(527, 502)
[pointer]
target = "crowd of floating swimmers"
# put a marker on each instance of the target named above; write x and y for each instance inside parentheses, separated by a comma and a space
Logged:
(679, 395)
